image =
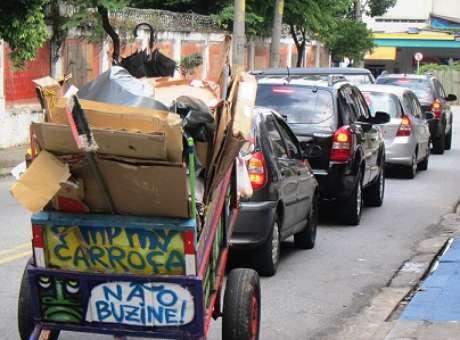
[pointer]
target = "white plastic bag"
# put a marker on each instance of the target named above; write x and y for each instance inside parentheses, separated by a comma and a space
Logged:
(242, 179)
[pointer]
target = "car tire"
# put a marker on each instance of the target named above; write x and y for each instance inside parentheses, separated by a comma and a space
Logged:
(350, 209)
(305, 239)
(375, 193)
(439, 144)
(423, 165)
(266, 257)
(410, 170)
(448, 142)
(241, 307)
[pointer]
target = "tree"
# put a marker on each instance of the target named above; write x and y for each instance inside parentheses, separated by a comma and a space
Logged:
(349, 39)
(23, 27)
(276, 33)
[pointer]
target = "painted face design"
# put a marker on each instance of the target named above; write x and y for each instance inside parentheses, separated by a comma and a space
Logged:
(60, 299)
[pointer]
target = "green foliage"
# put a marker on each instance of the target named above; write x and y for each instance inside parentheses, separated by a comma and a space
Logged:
(189, 62)
(349, 39)
(438, 67)
(23, 27)
(379, 7)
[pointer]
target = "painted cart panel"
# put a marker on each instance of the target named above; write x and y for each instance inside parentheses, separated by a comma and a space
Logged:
(102, 303)
(115, 244)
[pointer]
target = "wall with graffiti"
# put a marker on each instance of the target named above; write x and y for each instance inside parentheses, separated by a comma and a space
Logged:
(115, 250)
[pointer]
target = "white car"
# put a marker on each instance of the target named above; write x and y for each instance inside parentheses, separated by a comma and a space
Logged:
(407, 134)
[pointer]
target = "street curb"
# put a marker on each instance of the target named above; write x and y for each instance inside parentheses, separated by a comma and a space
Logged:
(379, 317)
(5, 172)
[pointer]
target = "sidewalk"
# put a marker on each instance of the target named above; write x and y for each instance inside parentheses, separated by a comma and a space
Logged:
(10, 157)
(422, 300)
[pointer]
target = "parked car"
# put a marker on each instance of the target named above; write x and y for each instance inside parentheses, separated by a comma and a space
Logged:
(352, 74)
(432, 97)
(334, 116)
(285, 196)
(406, 135)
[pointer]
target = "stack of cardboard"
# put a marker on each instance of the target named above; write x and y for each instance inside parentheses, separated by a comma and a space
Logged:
(140, 156)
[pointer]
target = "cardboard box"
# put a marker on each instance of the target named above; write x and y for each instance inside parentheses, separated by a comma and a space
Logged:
(129, 119)
(40, 182)
(136, 189)
(49, 89)
(58, 139)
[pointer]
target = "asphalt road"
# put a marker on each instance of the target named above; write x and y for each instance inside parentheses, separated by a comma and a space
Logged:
(314, 291)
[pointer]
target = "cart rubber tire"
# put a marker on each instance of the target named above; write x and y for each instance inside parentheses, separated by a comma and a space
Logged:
(25, 320)
(375, 193)
(448, 143)
(439, 144)
(26, 323)
(241, 309)
(266, 257)
(305, 239)
(349, 210)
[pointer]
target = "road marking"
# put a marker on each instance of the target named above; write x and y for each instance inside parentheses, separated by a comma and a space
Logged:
(15, 253)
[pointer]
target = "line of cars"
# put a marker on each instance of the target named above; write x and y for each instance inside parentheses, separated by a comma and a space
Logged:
(323, 139)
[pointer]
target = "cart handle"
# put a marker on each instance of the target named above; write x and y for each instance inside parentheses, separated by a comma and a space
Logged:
(192, 175)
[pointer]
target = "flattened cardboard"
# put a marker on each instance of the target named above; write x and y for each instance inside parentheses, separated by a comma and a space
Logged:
(40, 182)
(130, 119)
(244, 104)
(58, 139)
(154, 190)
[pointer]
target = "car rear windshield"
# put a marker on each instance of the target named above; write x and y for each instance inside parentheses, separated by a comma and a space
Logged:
(359, 79)
(383, 102)
(420, 87)
(297, 104)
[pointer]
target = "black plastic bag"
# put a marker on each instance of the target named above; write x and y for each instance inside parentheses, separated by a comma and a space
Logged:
(197, 120)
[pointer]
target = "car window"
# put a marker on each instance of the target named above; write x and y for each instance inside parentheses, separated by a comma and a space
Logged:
(439, 89)
(383, 102)
(407, 103)
(417, 112)
(362, 105)
(350, 111)
(421, 87)
(298, 104)
(359, 79)
(276, 141)
(291, 145)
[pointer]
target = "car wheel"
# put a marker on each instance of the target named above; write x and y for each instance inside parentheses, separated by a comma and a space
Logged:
(423, 165)
(375, 193)
(448, 142)
(439, 144)
(411, 170)
(350, 209)
(266, 257)
(305, 239)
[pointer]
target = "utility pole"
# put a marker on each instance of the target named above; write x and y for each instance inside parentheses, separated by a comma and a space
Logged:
(276, 33)
(239, 37)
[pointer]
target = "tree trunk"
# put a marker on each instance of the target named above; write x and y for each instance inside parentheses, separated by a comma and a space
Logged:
(276, 33)
(238, 36)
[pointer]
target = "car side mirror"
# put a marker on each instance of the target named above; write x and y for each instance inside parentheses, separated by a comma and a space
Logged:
(429, 115)
(310, 151)
(451, 97)
(380, 118)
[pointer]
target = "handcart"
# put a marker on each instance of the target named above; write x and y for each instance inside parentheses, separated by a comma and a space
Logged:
(166, 276)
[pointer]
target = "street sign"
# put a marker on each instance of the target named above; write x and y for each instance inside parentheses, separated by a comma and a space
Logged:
(418, 56)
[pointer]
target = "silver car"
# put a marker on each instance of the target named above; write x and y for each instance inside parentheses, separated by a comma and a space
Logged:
(406, 135)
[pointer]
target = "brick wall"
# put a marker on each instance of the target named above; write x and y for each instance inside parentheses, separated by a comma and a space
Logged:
(18, 83)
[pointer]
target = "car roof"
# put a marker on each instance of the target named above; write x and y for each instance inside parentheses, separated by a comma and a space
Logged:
(391, 89)
(312, 70)
(285, 80)
(406, 76)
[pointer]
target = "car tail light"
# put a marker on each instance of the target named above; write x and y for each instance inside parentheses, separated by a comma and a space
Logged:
(257, 170)
(436, 108)
(342, 145)
(405, 128)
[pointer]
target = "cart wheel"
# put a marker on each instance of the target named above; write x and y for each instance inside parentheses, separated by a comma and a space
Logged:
(26, 322)
(241, 309)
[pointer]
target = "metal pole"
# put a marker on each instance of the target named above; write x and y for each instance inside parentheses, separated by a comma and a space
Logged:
(238, 36)
(276, 33)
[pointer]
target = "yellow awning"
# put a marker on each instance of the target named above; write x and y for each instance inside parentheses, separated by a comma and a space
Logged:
(381, 53)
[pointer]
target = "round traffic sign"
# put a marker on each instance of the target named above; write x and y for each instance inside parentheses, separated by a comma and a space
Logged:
(418, 56)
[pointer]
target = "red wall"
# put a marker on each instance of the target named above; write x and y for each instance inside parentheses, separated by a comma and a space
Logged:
(18, 84)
